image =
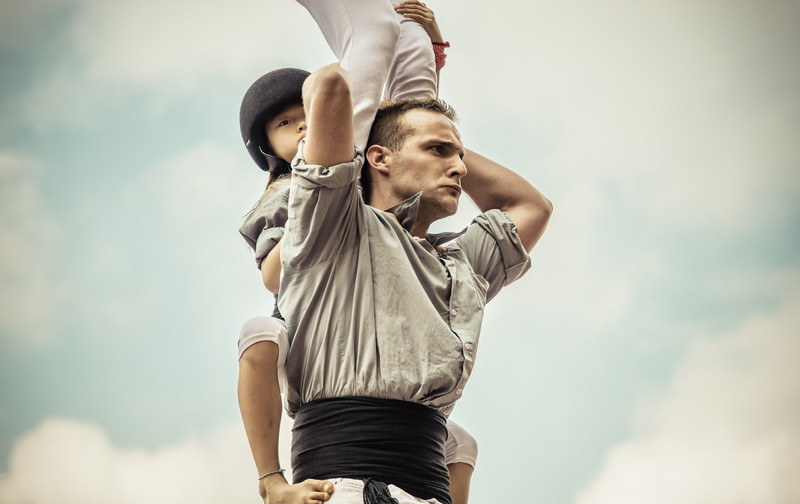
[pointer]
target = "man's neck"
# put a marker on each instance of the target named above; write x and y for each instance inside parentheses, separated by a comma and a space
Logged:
(420, 229)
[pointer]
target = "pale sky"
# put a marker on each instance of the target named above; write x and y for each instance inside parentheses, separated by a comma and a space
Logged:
(651, 354)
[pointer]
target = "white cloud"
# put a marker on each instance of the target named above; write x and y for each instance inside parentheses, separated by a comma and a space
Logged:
(153, 42)
(204, 191)
(727, 430)
(183, 214)
(30, 235)
(204, 182)
(74, 462)
(167, 49)
(674, 106)
(653, 125)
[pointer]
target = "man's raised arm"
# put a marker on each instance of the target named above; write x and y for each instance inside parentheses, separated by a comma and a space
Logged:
(324, 186)
(328, 102)
(491, 185)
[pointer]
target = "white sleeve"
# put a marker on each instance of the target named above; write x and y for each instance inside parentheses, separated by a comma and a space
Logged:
(460, 446)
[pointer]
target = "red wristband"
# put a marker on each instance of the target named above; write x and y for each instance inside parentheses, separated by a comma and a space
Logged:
(438, 53)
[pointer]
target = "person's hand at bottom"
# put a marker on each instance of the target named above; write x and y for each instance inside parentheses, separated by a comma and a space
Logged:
(310, 491)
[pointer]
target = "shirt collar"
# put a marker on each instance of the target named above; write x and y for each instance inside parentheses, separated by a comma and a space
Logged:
(407, 211)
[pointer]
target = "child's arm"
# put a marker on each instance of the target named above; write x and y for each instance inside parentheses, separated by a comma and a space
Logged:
(271, 269)
(263, 228)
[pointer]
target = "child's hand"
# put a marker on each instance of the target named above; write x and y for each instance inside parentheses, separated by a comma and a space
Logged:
(419, 12)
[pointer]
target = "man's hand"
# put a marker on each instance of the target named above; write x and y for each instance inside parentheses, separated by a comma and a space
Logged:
(310, 491)
(419, 12)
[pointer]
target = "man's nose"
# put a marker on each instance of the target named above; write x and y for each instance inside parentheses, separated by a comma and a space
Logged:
(458, 168)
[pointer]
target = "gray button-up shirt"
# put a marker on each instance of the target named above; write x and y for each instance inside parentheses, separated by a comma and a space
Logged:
(373, 311)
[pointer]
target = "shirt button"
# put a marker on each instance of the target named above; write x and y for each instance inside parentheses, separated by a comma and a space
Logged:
(460, 358)
(458, 392)
(468, 345)
(453, 312)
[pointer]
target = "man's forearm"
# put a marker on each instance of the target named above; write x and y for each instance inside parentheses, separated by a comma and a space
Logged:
(327, 98)
(491, 185)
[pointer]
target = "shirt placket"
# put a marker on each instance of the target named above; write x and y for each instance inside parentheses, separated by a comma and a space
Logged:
(465, 348)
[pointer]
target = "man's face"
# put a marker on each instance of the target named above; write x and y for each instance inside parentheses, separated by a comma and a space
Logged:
(285, 130)
(430, 161)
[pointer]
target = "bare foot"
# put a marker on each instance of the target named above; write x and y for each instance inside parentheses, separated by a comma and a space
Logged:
(310, 491)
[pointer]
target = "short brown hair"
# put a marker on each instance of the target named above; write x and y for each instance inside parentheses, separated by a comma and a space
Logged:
(390, 130)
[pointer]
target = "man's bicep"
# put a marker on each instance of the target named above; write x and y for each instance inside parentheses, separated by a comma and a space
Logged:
(531, 221)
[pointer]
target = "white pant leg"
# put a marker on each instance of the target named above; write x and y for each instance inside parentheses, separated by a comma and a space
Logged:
(351, 491)
(259, 329)
(413, 71)
(460, 446)
(363, 35)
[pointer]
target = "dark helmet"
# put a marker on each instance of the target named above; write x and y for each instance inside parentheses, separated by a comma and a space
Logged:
(267, 96)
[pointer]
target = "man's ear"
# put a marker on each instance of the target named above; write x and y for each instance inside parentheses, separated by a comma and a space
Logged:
(379, 158)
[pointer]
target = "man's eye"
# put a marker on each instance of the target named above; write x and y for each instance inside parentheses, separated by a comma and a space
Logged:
(437, 148)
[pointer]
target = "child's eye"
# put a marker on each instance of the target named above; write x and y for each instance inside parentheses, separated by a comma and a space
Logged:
(284, 122)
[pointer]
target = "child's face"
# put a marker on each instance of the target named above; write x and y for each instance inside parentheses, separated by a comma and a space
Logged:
(285, 130)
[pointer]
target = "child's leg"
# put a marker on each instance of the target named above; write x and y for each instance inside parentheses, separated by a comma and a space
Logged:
(363, 35)
(413, 71)
(460, 476)
(461, 452)
(262, 353)
(258, 329)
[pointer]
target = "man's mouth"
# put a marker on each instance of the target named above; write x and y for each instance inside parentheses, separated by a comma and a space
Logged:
(455, 187)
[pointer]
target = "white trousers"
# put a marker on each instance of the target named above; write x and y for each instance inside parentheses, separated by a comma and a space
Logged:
(351, 491)
(378, 47)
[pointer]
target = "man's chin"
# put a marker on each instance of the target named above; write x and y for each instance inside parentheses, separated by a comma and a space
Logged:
(441, 208)
(455, 209)
(449, 210)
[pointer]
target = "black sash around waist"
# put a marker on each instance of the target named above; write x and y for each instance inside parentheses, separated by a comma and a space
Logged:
(397, 442)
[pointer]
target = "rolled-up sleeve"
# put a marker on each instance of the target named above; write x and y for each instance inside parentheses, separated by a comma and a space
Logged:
(324, 206)
(496, 253)
(263, 227)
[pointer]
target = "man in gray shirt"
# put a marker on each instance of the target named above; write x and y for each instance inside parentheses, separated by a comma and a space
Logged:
(383, 318)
